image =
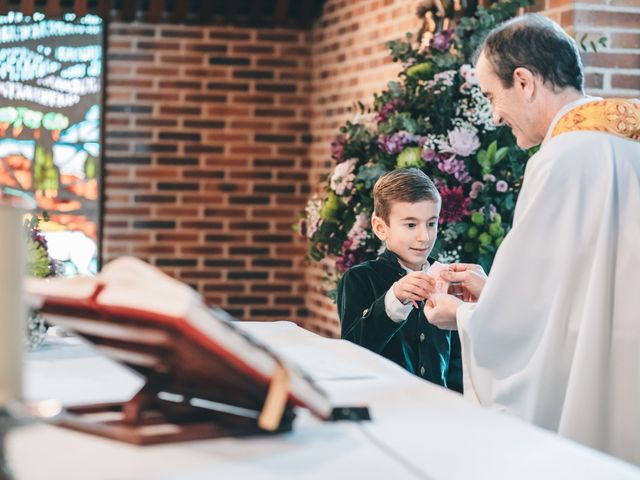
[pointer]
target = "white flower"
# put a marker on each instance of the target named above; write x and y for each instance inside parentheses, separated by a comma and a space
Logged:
(314, 205)
(462, 141)
(367, 120)
(442, 79)
(343, 177)
(475, 109)
(469, 74)
(446, 77)
(449, 256)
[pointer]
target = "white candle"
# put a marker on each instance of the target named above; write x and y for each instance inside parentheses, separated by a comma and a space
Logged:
(12, 312)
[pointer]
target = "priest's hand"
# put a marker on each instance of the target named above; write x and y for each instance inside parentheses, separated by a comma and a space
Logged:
(469, 276)
(414, 287)
(440, 310)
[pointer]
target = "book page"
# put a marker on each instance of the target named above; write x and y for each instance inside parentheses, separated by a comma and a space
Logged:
(132, 283)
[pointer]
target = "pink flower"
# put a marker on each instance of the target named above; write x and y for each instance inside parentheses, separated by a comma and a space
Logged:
(462, 141)
(501, 186)
(454, 205)
(360, 229)
(428, 154)
(476, 187)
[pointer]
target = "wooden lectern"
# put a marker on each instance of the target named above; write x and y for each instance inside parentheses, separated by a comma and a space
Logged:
(204, 377)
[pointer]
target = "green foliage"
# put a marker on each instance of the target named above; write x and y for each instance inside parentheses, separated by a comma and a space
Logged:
(39, 263)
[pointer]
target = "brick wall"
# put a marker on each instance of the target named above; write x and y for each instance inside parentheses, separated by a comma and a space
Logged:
(206, 168)
(216, 136)
(614, 70)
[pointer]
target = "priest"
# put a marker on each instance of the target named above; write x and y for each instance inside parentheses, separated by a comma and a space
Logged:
(554, 336)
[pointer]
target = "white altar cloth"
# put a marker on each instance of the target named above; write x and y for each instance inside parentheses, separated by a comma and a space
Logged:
(419, 430)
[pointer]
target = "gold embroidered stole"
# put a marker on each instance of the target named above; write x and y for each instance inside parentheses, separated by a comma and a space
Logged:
(615, 115)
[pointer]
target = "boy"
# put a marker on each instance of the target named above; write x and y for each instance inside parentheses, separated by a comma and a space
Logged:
(379, 301)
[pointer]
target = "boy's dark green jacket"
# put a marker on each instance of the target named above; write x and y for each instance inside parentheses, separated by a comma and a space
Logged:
(414, 344)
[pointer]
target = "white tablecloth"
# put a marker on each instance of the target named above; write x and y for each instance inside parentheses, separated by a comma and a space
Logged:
(418, 430)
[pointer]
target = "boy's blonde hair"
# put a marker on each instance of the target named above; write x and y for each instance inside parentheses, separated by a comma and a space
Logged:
(404, 185)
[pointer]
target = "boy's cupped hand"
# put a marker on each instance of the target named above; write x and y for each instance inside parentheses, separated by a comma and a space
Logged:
(414, 287)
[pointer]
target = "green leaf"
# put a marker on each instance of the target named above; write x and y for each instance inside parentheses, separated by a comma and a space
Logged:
(395, 89)
(491, 151)
(410, 157)
(500, 154)
(369, 174)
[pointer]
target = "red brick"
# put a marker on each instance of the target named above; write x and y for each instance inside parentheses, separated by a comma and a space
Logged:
(612, 60)
(597, 18)
(626, 81)
(625, 40)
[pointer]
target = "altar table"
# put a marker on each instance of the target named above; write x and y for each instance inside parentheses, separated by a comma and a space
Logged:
(418, 430)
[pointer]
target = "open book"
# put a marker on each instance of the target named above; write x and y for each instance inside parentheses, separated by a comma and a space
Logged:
(191, 355)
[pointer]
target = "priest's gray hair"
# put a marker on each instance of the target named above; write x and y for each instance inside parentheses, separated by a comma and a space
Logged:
(410, 185)
(538, 44)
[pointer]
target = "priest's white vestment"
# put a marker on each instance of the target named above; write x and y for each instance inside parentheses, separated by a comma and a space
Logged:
(555, 336)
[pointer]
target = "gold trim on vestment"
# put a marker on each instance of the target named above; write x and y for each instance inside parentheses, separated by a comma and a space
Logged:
(615, 115)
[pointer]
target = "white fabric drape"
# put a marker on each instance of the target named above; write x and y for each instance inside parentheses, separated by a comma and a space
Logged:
(555, 337)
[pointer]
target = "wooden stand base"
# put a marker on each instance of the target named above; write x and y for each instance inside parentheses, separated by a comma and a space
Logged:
(155, 425)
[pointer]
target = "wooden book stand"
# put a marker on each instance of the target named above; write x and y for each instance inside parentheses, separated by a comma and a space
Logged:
(204, 378)
(189, 393)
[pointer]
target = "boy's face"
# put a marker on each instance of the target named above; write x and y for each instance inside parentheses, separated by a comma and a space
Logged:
(411, 231)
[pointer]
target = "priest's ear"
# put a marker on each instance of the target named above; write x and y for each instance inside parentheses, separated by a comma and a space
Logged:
(525, 82)
(379, 227)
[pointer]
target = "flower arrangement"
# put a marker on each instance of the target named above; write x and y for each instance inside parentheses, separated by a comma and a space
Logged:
(39, 263)
(434, 117)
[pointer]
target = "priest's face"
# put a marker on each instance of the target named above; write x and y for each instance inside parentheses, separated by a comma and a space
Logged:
(511, 106)
(411, 231)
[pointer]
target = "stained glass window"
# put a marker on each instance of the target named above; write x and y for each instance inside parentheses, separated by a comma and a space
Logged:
(50, 101)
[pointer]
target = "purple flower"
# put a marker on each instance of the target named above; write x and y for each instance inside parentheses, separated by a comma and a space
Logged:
(302, 227)
(387, 109)
(455, 167)
(337, 147)
(395, 143)
(492, 211)
(489, 178)
(348, 258)
(442, 40)
(501, 186)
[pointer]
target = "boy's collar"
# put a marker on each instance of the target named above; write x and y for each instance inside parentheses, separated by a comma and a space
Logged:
(390, 257)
